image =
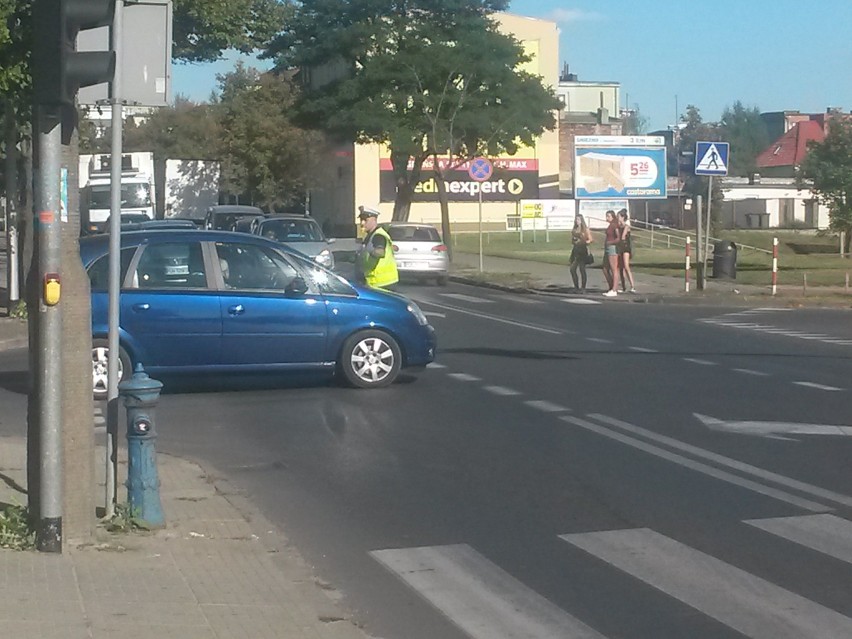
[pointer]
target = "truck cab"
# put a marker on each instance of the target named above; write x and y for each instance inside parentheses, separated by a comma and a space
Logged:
(137, 194)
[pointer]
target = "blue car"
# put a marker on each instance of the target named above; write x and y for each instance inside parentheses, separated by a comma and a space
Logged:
(198, 301)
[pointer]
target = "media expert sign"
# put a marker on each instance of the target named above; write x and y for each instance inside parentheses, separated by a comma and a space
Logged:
(512, 180)
(608, 167)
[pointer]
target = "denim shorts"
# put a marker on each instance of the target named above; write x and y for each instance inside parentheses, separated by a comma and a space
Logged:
(610, 249)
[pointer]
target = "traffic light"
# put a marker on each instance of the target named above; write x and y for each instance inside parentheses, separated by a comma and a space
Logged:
(58, 69)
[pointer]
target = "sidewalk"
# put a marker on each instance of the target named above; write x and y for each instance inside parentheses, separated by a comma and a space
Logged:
(218, 570)
(543, 278)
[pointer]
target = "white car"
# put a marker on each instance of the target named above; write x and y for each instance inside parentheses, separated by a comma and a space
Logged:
(419, 251)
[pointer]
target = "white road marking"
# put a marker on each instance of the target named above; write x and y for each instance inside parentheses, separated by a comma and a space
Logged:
(721, 460)
(785, 332)
(639, 349)
(818, 386)
(703, 362)
(700, 467)
(467, 298)
(599, 340)
(828, 534)
(580, 300)
(493, 318)
(479, 597)
(434, 314)
(748, 371)
(464, 377)
(547, 407)
(501, 390)
(435, 365)
(771, 428)
(753, 606)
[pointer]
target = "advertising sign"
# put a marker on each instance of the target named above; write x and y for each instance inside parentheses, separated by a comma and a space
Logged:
(609, 167)
(595, 211)
(556, 215)
(510, 181)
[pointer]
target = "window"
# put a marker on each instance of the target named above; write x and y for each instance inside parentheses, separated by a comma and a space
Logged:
(171, 265)
(413, 234)
(99, 270)
(245, 266)
(292, 231)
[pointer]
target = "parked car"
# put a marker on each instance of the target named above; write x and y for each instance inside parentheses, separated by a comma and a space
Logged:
(419, 251)
(197, 301)
(226, 217)
(298, 232)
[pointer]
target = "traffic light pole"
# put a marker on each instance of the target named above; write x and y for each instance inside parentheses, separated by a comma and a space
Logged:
(48, 236)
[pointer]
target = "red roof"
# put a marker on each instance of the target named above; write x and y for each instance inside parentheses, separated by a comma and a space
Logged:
(792, 147)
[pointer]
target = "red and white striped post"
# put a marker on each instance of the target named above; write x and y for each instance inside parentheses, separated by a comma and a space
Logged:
(686, 272)
(774, 265)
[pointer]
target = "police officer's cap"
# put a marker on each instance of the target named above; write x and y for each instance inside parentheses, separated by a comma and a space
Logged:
(367, 211)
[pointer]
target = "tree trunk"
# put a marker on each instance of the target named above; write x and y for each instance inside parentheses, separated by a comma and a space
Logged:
(445, 210)
(405, 180)
(78, 441)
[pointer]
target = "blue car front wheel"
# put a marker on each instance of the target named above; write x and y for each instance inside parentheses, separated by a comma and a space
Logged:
(370, 359)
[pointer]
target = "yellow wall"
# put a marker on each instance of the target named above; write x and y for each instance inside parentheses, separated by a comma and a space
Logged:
(539, 38)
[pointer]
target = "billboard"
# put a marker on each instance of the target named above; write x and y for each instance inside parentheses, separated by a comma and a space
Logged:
(512, 180)
(555, 215)
(617, 167)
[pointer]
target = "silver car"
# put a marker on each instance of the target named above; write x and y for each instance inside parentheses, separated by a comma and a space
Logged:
(298, 232)
(419, 251)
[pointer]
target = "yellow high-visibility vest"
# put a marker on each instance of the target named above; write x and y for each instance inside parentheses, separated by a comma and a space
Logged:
(379, 271)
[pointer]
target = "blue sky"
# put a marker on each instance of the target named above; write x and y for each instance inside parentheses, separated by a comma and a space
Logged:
(772, 54)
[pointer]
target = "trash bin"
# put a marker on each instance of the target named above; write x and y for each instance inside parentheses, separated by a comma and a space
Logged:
(724, 260)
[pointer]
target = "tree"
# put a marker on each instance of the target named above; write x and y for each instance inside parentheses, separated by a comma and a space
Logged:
(746, 132)
(425, 78)
(264, 155)
(827, 171)
(633, 122)
(203, 29)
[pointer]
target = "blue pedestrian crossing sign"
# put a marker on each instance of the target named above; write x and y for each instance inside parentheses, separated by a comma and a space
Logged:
(711, 158)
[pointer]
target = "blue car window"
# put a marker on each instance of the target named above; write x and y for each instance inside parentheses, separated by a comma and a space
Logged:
(99, 269)
(246, 266)
(171, 265)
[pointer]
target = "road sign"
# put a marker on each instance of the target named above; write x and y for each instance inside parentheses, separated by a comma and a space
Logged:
(711, 158)
(480, 169)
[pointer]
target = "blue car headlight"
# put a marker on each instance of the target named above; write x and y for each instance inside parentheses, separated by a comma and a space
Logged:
(418, 314)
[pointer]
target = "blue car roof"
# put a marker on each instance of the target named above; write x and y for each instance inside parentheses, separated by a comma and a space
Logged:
(94, 246)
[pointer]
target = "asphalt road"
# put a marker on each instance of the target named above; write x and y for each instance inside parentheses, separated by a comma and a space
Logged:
(566, 469)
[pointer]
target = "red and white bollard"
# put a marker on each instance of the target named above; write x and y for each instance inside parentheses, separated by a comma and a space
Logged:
(686, 272)
(774, 265)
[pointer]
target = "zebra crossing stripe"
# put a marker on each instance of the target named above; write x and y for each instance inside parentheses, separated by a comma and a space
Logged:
(479, 597)
(828, 534)
(751, 605)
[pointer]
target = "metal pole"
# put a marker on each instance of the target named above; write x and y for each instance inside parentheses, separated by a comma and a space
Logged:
(114, 284)
(13, 294)
(480, 230)
(699, 245)
(686, 271)
(49, 373)
(775, 266)
(707, 223)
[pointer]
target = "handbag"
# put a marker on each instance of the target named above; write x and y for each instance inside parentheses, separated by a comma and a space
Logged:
(590, 259)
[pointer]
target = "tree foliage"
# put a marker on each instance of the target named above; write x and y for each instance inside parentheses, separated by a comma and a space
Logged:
(203, 29)
(15, 45)
(424, 77)
(744, 129)
(264, 155)
(827, 170)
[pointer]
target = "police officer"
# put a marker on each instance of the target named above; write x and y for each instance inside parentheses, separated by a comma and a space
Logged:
(376, 263)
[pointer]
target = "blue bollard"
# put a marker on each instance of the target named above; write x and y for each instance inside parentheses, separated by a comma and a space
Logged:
(140, 394)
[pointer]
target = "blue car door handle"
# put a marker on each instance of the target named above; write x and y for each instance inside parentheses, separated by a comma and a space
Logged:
(141, 307)
(239, 309)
